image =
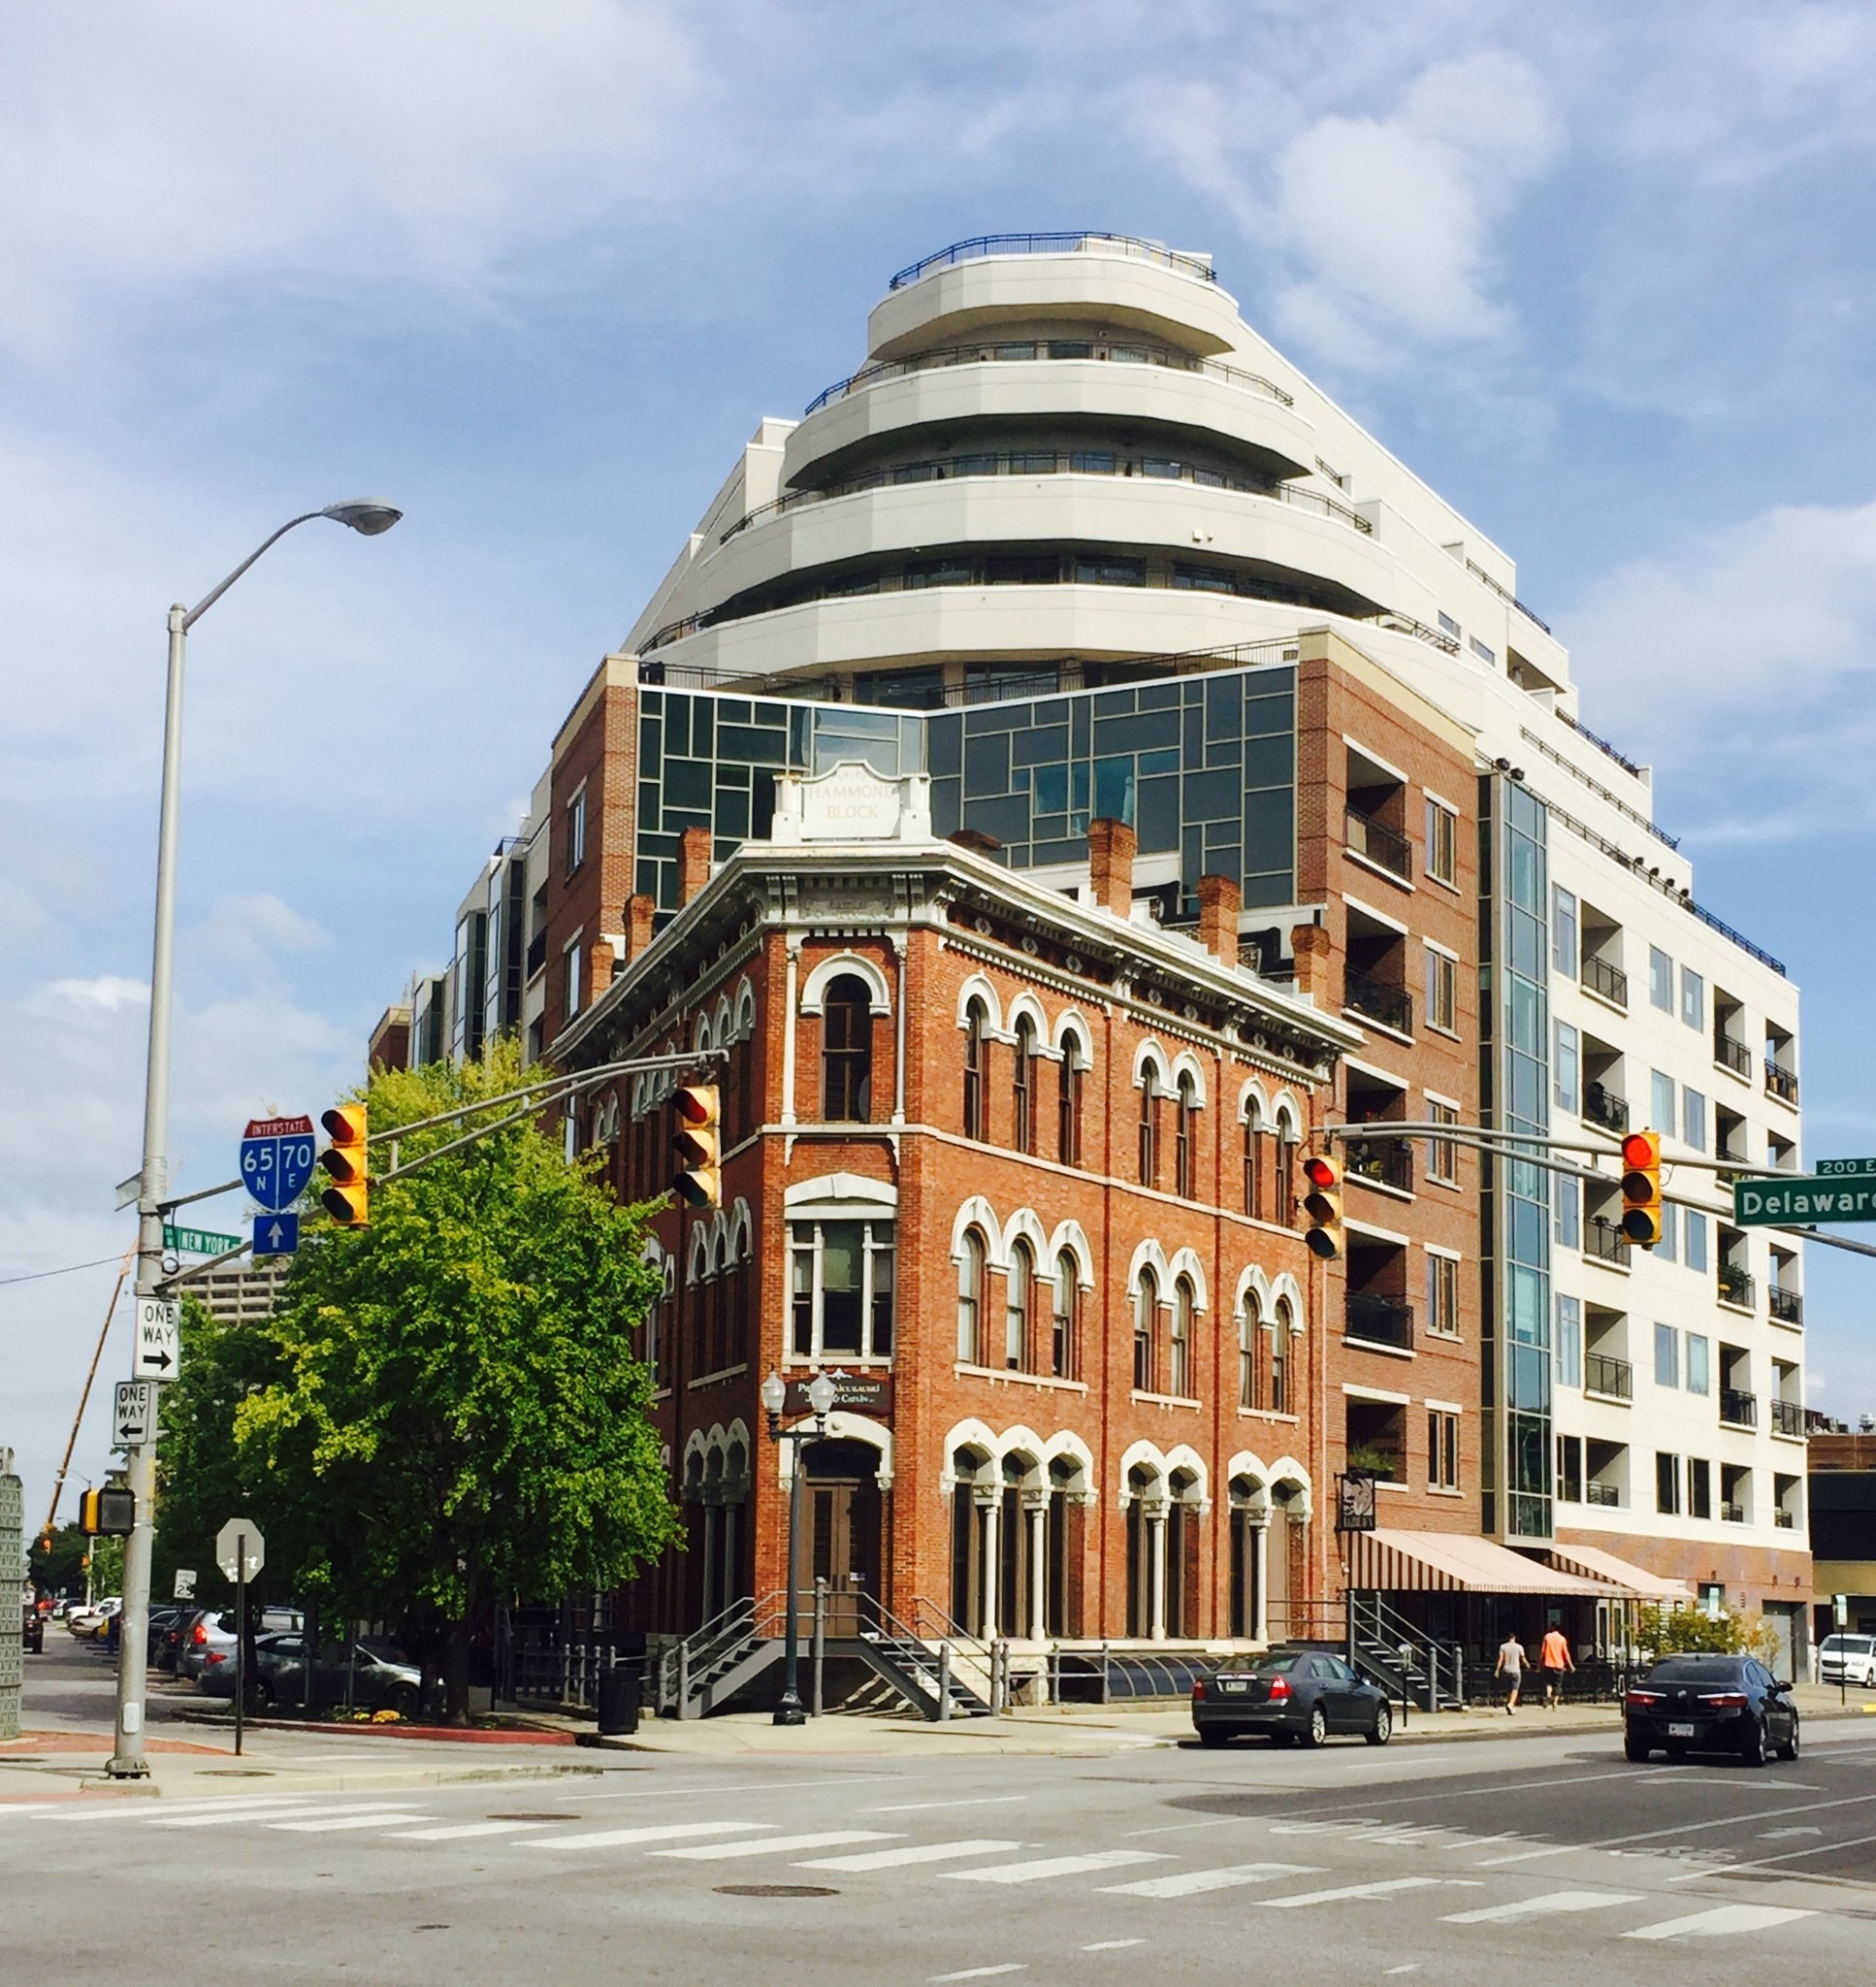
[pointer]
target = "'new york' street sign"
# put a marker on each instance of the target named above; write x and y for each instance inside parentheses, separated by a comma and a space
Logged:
(198, 1241)
(1798, 1201)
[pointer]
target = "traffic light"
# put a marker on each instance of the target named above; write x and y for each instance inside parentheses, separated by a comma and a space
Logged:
(698, 1146)
(1641, 1188)
(107, 1513)
(348, 1198)
(1323, 1205)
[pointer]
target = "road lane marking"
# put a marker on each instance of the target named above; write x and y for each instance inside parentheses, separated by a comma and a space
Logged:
(917, 1852)
(286, 1810)
(660, 1792)
(1175, 1828)
(1056, 1865)
(1187, 1883)
(778, 1845)
(1686, 1828)
(924, 1806)
(1788, 1856)
(1385, 1888)
(1112, 1945)
(1543, 1907)
(336, 1822)
(1721, 1922)
(463, 1830)
(667, 1832)
(985, 1973)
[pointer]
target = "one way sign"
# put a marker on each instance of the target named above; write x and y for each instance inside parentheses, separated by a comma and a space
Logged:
(158, 1335)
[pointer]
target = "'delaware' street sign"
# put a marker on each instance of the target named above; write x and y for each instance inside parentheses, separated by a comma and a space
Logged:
(1840, 1195)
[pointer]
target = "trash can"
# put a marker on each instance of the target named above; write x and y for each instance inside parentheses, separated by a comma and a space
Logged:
(620, 1687)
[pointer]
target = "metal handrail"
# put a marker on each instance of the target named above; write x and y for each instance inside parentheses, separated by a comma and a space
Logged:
(1603, 745)
(1732, 1053)
(1504, 593)
(1738, 1407)
(1606, 1374)
(1379, 843)
(1391, 1006)
(1736, 1286)
(1086, 241)
(1609, 980)
(1780, 1081)
(1787, 1418)
(1379, 1320)
(1786, 1306)
(1601, 1106)
(1604, 1240)
(1390, 1160)
(1604, 1495)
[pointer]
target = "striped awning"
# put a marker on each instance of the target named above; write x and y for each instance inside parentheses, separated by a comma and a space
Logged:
(1636, 1582)
(1455, 1563)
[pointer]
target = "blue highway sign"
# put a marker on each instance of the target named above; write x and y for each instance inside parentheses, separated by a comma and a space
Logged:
(276, 1159)
(275, 1235)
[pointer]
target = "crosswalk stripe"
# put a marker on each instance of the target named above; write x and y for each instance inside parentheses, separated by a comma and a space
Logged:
(778, 1845)
(462, 1830)
(1543, 1907)
(1056, 1865)
(332, 1823)
(1721, 1922)
(1347, 1892)
(224, 1817)
(917, 1852)
(667, 1831)
(1187, 1883)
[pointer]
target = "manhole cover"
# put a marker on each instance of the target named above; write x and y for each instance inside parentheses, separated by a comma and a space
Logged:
(775, 1890)
(237, 1773)
(531, 1817)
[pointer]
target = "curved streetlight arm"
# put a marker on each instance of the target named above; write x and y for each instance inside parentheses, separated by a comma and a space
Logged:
(208, 601)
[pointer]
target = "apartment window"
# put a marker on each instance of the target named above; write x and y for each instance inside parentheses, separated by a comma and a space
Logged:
(1568, 1194)
(577, 830)
(1661, 980)
(1693, 1117)
(1713, 1599)
(1699, 1354)
(1563, 939)
(1065, 1324)
(1443, 1450)
(1022, 1084)
(1255, 1141)
(1150, 1128)
(1667, 1483)
(1280, 1360)
(1184, 1139)
(1447, 625)
(1699, 1487)
(1570, 1341)
(842, 1288)
(970, 1300)
(1442, 1154)
(1179, 1377)
(1018, 1293)
(1667, 1355)
(1248, 1327)
(1696, 1241)
(1570, 1469)
(1480, 649)
(1660, 1102)
(1068, 1129)
(1442, 840)
(1568, 1067)
(1443, 991)
(1668, 1249)
(1443, 1297)
(976, 1060)
(847, 1051)
(570, 979)
(1146, 1317)
(1285, 1176)
(1693, 998)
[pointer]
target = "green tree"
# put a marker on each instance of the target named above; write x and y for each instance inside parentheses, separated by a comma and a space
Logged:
(1684, 1629)
(450, 1408)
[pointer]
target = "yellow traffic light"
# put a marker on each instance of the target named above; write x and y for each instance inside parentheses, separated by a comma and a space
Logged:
(1322, 1174)
(1641, 1188)
(697, 1144)
(348, 1198)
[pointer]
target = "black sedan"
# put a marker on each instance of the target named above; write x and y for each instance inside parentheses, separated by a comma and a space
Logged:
(1290, 1695)
(1710, 1703)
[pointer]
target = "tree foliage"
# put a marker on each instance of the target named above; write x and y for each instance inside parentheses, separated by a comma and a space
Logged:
(1684, 1629)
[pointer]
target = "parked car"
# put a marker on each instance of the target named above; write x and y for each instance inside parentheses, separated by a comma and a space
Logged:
(89, 1623)
(1710, 1703)
(1847, 1659)
(374, 1675)
(163, 1620)
(1289, 1694)
(32, 1627)
(208, 1628)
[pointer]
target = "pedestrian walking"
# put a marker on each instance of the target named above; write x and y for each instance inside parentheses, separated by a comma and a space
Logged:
(1510, 1666)
(1553, 1659)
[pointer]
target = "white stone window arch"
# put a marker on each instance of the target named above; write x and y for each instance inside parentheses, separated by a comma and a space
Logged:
(1026, 1224)
(1024, 1446)
(978, 1213)
(701, 1033)
(967, 1436)
(977, 988)
(1286, 1473)
(1075, 1036)
(1186, 1065)
(1143, 1459)
(1183, 1461)
(724, 1025)
(844, 1426)
(1027, 1003)
(742, 1228)
(745, 1009)
(1253, 1103)
(1066, 1447)
(842, 965)
(1286, 1291)
(1070, 1239)
(1287, 1115)
(1186, 1264)
(1149, 1255)
(1150, 1067)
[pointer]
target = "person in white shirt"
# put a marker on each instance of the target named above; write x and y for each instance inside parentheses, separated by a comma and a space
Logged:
(1510, 1666)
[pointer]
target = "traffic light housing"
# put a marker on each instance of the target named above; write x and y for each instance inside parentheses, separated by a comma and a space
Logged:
(1322, 1203)
(1641, 1188)
(348, 1198)
(697, 1144)
(109, 1513)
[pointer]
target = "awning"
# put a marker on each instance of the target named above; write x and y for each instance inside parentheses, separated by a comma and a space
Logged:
(1637, 1581)
(1456, 1563)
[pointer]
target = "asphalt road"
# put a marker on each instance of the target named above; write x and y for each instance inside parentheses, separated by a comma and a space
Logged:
(1546, 1855)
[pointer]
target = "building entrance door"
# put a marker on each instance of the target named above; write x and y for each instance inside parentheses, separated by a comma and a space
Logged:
(843, 1517)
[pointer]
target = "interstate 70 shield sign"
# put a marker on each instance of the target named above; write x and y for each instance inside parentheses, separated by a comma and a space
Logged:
(276, 1159)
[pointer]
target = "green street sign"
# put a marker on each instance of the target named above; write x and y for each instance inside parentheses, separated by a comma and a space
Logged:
(1803, 1199)
(1847, 1170)
(198, 1241)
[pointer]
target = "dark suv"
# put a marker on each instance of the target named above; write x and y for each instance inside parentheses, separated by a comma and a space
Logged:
(1710, 1703)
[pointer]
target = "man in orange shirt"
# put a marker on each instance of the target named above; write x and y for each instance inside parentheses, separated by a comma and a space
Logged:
(1553, 1659)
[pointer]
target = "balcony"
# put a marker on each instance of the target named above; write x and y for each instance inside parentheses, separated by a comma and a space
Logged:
(1383, 1162)
(1780, 1081)
(1604, 1494)
(1601, 1106)
(1786, 1306)
(1738, 1409)
(1733, 1054)
(1610, 982)
(1735, 1287)
(1732, 1513)
(1608, 1378)
(1083, 244)
(1379, 1320)
(1385, 847)
(1392, 1006)
(1787, 1418)
(1604, 1242)
(1785, 1521)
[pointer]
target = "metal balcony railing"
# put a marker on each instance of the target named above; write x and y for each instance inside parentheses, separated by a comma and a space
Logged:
(1604, 1242)
(1606, 1374)
(1387, 848)
(1602, 1106)
(1781, 1081)
(1731, 1053)
(1787, 1418)
(1085, 243)
(1738, 1407)
(1732, 1513)
(1605, 1494)
(1735, 1287)
(1786, 1306)
(1611, 981)
(1391, 1006)
(1785, 1521)
(1380, 1321)
(1388, 1160)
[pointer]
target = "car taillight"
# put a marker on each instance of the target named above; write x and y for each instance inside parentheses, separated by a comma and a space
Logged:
(1279, 1686)
(198, 1635)
(1725, 1700)
(215, 1656)
(1198, 1689)
(1642, 1696)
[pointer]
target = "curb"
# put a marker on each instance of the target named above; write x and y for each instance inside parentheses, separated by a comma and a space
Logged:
(546, 1735)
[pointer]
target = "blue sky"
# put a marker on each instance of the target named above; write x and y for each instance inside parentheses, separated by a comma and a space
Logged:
(1599, 273)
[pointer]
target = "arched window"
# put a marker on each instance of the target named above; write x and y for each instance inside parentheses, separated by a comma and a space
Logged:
(1065, 1327)
(1178, 1376)
(1022, 1084)
(1279, 1360)
(1016, 1316)
(1068, 1128)
(847, 1051)
(1248, 1327)
(1184, 1137)
(970, 1300)
(1254, 1143)
(1145, 1320)
(976, 1060)
(1149, 1126)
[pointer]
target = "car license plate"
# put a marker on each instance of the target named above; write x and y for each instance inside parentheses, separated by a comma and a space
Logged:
(1235, 1686)
(1680, 1731)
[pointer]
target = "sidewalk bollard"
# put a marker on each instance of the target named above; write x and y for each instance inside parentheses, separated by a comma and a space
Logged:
(943, 1711)
(820, 1640)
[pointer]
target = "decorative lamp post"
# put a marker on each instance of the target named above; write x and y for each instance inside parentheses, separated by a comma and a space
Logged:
(821, 1401)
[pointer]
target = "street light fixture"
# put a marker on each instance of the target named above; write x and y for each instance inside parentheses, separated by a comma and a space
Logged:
(367, 516)
(822, 1394)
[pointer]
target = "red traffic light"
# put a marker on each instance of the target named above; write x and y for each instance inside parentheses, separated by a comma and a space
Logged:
(1642, 1149)
(1321, 1171)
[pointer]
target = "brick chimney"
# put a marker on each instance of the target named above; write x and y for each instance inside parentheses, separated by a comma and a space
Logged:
(1110, 846)
(1219, 902)
(692, 863)
(640, 913)
(1312, 946)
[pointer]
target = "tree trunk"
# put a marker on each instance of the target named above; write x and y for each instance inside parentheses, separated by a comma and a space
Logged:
(456, 1669)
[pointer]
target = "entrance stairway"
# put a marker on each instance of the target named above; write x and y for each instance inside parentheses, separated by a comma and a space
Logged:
(1410, 1665)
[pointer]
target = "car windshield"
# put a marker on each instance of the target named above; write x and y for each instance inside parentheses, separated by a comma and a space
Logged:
(1278, 1663)
(1697, 1669)
(1849, 1645)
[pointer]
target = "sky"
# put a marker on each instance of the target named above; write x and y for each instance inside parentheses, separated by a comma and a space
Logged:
(1599, 273)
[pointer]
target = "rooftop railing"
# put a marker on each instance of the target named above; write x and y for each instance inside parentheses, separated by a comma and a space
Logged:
(1504, 593)
(1133, 248)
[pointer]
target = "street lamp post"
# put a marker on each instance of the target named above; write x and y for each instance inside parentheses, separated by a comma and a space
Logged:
(821, 1400)
(127, 1760)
